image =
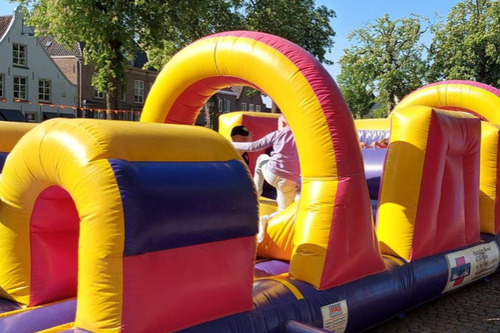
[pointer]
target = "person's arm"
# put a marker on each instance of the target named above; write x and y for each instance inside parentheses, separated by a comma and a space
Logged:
(262, 143)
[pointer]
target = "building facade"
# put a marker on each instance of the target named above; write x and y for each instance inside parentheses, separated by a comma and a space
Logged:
(231, 99)
(89, 100)
(41, 79)
(32, 87)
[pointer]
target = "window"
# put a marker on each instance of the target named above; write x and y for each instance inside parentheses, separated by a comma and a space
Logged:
(227, 105)
(220, 105)
(258, 108)
(243, 106)
(251, 108)
(31, 116)
(98, 94)
(19, 54)
(138, 91)
(44, 90)
(1, 86)
(20, 87)
(124, 96)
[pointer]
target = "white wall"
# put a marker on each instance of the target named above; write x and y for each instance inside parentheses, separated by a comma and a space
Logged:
(39, 66)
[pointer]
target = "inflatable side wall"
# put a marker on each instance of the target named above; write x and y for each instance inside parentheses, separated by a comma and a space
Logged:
(129, 218)
(431, 154)
(484, 101)
(10, 133)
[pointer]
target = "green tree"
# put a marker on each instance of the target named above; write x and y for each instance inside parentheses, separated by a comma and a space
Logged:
(113, 31)
(467, 46)
(355, 86)
(298, 21)
(386, 61)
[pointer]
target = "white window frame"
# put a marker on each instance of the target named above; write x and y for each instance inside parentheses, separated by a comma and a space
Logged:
(19, 55)
(98, 94)
(251, 107)
(2, 85)
(138, 91)
(20, 88)
(227, 105)
(220, 105)
(244, 106)
(258, 108)
(44, 90)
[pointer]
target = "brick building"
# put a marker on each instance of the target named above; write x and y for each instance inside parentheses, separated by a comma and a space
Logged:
(228, 100)
(139, 83)
(93, 103)
(66, 82)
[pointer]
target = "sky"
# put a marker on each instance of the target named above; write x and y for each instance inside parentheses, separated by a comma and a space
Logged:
(353, 14)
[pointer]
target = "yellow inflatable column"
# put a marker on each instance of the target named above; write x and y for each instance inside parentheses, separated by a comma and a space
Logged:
(432, 154)
(490, 179)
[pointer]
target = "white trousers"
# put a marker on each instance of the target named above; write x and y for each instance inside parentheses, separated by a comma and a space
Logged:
(285, 189)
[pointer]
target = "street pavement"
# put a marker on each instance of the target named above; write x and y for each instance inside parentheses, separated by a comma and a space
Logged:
(474, 308)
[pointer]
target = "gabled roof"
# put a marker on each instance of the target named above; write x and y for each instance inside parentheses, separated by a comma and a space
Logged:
(140, 59)
(55, 49)
(5, 22)
(238, 90)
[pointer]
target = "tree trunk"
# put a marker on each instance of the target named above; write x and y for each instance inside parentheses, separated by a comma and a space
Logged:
(115, 79)
(114, 100)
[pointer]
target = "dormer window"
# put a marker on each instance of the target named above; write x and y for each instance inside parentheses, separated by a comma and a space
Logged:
(19, 55)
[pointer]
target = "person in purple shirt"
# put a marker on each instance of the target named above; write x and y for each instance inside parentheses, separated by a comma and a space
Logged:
(280, 169)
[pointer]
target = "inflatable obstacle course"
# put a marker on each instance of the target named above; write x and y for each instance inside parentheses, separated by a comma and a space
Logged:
(141, 227)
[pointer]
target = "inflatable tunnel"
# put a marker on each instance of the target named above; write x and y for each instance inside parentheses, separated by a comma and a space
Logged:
(117, 213)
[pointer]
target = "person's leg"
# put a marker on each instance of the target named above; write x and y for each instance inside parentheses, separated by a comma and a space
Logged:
(285, 189)
(258, 176)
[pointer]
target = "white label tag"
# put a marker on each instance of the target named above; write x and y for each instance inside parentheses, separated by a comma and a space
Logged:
(471, 264)
(335, 316)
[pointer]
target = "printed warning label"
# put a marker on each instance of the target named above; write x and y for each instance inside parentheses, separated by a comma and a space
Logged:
(335, 316)
(471, 264)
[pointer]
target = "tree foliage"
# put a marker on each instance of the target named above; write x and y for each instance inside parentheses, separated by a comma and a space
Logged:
(467, 46)
(384, 63)
(113, 31)
(298, 21)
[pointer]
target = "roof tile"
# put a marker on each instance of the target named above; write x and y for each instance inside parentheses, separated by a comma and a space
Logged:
(4, 24)
(55, 49)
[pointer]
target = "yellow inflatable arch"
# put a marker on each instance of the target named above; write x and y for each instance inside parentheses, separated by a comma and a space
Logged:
(335, 240)
(483, 101)
(474, 97)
